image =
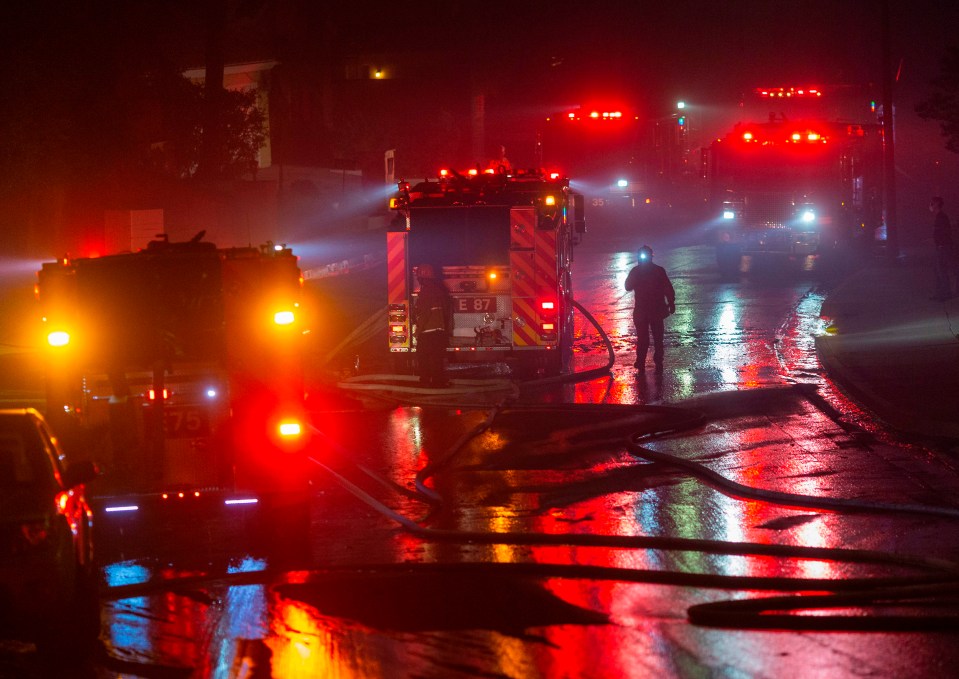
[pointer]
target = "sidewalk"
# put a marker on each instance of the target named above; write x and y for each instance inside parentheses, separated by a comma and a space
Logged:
(892, 349)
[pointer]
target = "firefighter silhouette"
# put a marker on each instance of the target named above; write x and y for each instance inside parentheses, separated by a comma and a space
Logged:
(654, 300)
(432, 315)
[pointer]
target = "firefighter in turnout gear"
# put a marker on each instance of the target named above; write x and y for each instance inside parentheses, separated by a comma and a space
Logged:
(432, 316)
(655, 299)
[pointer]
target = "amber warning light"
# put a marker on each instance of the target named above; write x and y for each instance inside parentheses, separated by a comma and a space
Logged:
(58, 338)
(285, 317)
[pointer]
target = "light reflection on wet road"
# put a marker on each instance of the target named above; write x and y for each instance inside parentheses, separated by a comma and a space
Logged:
(360, 598)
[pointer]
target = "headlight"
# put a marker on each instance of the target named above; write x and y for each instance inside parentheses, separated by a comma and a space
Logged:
(808, 216)
(729, 214)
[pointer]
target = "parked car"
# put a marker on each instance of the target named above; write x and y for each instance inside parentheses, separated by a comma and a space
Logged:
(48, 579)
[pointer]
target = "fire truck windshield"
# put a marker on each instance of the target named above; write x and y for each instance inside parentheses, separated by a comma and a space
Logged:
(769, 167)
(146, 309)
(453, 236)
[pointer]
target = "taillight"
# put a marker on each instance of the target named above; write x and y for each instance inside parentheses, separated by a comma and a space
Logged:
(290, 429)
(35, 532)
(398, 320)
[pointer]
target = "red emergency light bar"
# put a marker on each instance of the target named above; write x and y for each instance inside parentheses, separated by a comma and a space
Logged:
(788, 92)
(595, 114)
(793, 137)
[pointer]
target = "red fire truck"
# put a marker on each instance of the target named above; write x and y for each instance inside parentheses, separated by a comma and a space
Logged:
(178, 369)
(602, 146)
(504, 244)
(795, 186)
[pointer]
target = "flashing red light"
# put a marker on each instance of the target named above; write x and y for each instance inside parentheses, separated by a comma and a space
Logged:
(289, 429)
(789, 92)
(444, 173)
(748, 136)
(151, 394)
(473, 172)
(554, 175)
(547, 306)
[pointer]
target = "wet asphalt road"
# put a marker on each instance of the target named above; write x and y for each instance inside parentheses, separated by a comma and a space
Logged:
(554, 534)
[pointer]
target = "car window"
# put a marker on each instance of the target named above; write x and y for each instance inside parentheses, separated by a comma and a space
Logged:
(17, 468)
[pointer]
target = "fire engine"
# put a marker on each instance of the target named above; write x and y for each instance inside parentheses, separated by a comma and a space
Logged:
(601, 146)
(504, 244)
(795, 186)
(178, 367)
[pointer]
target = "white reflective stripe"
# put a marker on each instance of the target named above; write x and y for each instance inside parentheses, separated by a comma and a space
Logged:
(123, 508)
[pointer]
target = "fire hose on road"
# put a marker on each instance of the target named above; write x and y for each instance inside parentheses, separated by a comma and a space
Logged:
(937, 578)
(395, 385)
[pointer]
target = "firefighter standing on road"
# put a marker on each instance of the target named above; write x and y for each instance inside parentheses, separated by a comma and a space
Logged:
(655, 299)
(432, 316)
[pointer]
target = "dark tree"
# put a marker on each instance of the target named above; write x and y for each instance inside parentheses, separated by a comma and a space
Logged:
(942, 104)
(96, 111)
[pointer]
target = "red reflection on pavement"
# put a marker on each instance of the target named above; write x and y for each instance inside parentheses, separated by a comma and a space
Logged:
(301, 646)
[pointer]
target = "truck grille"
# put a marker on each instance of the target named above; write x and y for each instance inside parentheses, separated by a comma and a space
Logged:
(767, 210)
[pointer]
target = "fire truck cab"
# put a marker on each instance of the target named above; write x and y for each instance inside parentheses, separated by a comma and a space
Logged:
(504, 244)
(795, 186)
(178, 369)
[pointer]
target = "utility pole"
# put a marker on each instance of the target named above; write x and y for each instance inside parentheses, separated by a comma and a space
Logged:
(214, 14)
(888, 140)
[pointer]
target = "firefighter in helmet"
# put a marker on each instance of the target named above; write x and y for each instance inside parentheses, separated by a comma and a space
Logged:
(432, 315)
(655, 299)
